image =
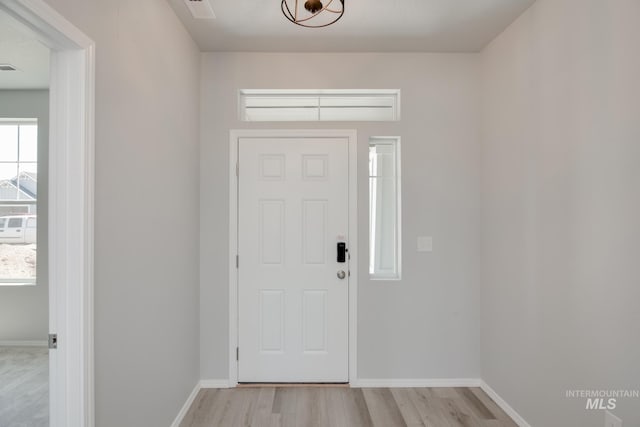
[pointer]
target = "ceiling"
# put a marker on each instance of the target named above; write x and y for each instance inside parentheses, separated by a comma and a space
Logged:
(20, 49)
(367, 26)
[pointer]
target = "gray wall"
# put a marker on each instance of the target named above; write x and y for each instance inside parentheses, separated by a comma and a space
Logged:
(561, 209)
(425, 326)
(24, 310)
(147, 198)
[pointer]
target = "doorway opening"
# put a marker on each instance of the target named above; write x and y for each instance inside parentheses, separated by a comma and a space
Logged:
(24, 289)
(70, 210)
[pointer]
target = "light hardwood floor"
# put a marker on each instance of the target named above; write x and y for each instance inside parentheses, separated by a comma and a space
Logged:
(24, 387)
(345, 407)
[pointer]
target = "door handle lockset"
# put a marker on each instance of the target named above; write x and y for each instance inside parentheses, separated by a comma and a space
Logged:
(341, 274)
(342, 252)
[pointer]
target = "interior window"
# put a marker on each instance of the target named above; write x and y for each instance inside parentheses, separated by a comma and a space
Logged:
(18, 200)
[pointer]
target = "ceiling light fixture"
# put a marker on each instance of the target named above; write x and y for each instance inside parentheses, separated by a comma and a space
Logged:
(313, 13)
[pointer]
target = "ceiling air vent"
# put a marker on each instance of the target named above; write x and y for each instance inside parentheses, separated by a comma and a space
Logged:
(200, 9)
(7, 67)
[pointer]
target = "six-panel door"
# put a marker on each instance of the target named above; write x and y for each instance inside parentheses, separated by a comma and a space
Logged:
(293, 307)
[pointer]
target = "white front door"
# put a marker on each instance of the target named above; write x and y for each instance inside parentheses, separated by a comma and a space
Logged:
(293, 210)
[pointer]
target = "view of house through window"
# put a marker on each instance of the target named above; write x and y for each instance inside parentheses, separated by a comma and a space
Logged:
(18, 200)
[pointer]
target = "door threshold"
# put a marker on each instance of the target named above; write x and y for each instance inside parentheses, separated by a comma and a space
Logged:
(292, 385)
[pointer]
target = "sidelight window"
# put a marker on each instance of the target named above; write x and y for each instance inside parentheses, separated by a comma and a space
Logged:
(384, 208)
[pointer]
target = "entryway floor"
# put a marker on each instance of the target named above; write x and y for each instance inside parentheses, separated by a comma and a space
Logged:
(345, 407)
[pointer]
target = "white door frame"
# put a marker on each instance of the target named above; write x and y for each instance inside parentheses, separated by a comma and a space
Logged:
(71, 183)
(351, 136)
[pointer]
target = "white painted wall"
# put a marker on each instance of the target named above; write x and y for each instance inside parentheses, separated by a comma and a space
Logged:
(561, 209)
(559, 218)
(147, 184)
(24, 310)
(426, 325)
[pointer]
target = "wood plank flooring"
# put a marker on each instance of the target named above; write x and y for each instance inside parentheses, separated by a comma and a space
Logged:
(24, 387)
(345, 407)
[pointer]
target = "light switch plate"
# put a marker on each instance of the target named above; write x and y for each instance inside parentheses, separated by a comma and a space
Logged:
(611, 420)
(425, 244)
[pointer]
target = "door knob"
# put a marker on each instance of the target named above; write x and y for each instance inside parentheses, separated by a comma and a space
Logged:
(341, 274)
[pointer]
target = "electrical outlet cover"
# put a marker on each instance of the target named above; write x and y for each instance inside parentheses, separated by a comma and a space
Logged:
(611, 420)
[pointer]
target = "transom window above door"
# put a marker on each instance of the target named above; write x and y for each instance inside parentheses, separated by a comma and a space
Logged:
(314, 105)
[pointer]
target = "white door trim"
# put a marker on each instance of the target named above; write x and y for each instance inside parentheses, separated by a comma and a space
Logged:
(351, 136)
(71, 183)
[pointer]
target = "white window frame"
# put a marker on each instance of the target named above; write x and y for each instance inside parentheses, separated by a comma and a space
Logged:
(397, 274)
(18, 281)
(310, 105)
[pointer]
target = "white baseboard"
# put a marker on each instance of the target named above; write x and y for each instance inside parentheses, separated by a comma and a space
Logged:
(24, 344)
(416, 383)
(202, 384)
(186, 406)
(214, 384)
(504, 405)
